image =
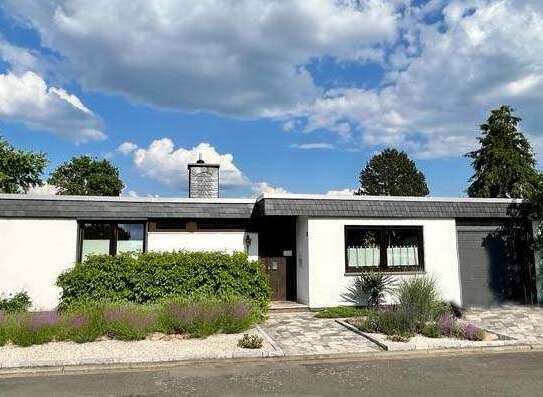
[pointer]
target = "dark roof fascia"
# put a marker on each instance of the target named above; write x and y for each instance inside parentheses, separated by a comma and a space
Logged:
(120, 209)
(416, 209)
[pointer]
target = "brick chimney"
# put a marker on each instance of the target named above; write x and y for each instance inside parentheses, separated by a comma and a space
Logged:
(203, 179)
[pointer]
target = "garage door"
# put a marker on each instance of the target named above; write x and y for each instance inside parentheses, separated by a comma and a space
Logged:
(488, 275)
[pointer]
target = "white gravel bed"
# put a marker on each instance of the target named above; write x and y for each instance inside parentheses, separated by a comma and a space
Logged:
(113, 351)
(420, 342)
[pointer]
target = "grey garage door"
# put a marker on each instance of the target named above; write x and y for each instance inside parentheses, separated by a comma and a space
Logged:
(482, 265)
(488, 275)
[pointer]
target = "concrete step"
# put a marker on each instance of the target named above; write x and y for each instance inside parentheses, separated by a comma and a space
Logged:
(288, 307)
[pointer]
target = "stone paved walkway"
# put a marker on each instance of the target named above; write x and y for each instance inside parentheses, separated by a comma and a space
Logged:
(524, 323)
(302, 333)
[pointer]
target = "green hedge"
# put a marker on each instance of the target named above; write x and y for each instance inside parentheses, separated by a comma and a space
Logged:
(152, 276)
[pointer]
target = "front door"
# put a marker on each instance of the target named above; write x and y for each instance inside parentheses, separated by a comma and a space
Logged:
(277, 272)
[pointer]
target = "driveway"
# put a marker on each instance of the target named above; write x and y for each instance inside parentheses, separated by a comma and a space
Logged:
(524, 323)
(302, 333)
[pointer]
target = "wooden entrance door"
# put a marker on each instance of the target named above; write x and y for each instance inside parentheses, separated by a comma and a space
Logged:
(276, 268)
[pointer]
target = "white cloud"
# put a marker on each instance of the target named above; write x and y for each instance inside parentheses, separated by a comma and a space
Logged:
(26, 98)
(243, 58)
(127, 148)
(440, 86)
(312, 146)
(165, 163)
(20, 59)
(343, 192)
(264, 187)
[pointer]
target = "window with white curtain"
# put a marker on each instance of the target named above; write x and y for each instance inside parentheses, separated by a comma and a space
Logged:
(384, 248)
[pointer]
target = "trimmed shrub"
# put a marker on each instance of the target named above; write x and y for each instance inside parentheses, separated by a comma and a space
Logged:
(152, 276)
(251, 342)
(343, 312)
(369, 289)
(19, 302)
(419, 296)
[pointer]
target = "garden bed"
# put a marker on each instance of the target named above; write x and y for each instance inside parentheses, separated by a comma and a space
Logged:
(421, 342)
(106, 351)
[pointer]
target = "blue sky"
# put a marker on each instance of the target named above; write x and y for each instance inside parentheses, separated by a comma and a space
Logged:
(289, 96)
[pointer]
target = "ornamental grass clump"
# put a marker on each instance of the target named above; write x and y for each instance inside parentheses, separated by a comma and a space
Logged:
(129, 322)
(420, 297)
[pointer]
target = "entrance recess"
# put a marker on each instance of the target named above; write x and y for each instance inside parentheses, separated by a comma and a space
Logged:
(276, 267)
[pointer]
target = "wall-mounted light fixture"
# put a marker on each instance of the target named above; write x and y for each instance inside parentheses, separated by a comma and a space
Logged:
(248, 241)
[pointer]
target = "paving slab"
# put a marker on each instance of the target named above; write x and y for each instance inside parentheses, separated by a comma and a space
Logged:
(523, 323)
(303, 333)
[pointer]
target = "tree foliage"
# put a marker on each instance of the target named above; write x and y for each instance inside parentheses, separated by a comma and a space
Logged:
(392, 173)
(19, 169)
(504, 165)
(86, 176)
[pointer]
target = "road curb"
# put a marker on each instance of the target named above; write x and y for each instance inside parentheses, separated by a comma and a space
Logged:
(368, 356)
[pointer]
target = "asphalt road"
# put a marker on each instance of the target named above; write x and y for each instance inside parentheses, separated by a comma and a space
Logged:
(504, 374)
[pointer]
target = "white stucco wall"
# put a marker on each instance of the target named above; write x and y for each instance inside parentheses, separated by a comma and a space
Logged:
(302, 268)
(326, 257)
(203, 241)
(33, 252)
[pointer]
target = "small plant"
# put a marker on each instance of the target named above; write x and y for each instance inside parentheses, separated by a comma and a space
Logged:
(251, 341)
(431, 330)
(398, 338)
(369, 289)
(343, 312)
(19, 302)
(448, 326)
(472, 332)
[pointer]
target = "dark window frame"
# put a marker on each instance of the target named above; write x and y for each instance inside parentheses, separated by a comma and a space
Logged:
(114, 234)
(383, 233)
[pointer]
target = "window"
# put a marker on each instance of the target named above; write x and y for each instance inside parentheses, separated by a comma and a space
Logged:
(110, 238)
(383, 248)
